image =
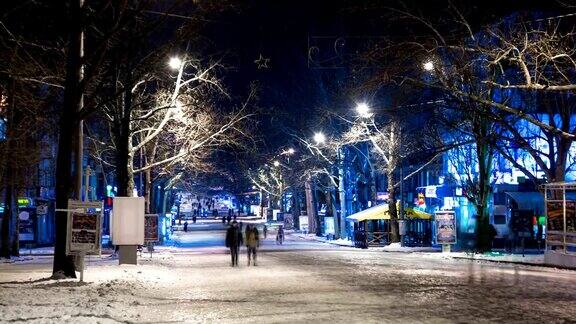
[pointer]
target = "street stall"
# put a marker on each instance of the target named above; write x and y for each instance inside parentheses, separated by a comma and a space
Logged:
(372, 226)
(560, 224)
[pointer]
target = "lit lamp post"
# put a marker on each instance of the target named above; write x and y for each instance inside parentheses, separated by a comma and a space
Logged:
(175, 63)
(363, 110)
(319, 138)
(428, 66)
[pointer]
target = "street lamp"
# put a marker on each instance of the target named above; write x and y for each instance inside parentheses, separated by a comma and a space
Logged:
(175, 63)
(428, 66)
(290, 151)
(319, 138)
(276, 163)
(363, 110)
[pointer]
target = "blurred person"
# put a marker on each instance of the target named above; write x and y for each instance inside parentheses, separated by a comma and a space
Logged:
(280, 235)
(252, 243)
(234, 241)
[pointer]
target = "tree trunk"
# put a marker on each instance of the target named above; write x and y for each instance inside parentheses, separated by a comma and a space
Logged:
(563, 150)
(310, 206)
(16, 225)
(394, 230)
(8, 219)
(342, 197)
(296, 207)
(372, 195)
(148, 190)
(63, 264)
(485, 158)
(9, 226)
(125, 156)
(332, 194)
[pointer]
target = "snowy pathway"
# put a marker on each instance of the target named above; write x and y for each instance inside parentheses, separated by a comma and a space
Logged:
(300, 281)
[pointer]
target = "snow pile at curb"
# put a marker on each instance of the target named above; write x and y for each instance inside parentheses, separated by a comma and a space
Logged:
(536, 259)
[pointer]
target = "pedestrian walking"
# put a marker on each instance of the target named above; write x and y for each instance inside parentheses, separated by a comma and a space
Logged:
(186, 226)
(280, 235)
(194, 219)
(234, 241)
(252, 243)
(265, 230)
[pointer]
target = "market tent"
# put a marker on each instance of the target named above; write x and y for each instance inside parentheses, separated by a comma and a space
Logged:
(416, 213)
(372, 213)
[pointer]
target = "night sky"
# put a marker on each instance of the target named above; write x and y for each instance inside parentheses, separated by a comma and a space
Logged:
(293, 91)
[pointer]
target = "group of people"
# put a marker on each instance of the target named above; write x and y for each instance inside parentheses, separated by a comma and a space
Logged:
(202, 206)
(231, 215)
(235, 239)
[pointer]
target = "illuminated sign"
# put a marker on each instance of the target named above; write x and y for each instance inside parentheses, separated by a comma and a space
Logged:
(23, 202)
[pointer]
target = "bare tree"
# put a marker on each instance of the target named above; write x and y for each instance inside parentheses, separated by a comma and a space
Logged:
(29, 77)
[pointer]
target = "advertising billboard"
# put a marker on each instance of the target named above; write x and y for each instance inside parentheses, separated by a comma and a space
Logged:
(128, 221)
(151, 228)
(84, 230)
(445, 225)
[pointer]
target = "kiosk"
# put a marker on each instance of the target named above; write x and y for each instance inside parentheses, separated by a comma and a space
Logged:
(560, 200)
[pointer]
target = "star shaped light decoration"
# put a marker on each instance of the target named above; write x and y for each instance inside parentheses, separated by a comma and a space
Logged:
(262, 62)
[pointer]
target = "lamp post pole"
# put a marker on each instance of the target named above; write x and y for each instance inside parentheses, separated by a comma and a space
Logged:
(80, 130)
(87, 183)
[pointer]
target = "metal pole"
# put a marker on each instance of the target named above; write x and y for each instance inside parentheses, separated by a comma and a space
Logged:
(564, 215)
(80, 135)
(401, 210)
(82, 255)
(87, 183)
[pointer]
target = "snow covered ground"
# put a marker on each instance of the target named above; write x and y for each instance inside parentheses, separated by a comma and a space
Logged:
(300, 281)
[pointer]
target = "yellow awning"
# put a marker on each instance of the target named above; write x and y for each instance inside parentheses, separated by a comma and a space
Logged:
(381, 212)
(372, 213)
(415, 213)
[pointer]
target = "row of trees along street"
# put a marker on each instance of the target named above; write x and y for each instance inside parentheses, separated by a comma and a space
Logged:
(137, 83)
(475, 92)
(143, 92)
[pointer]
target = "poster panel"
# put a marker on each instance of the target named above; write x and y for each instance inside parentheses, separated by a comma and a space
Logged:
(128, 221)
(555, 221)
(26, 225)
(84, 230)
(445, 222)
(151, 228)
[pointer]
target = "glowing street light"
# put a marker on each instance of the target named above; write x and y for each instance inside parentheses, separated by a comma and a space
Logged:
(363, 110)
(319, 138)
(276, 163)
(175, 63)
(289, 151)
(428, 66)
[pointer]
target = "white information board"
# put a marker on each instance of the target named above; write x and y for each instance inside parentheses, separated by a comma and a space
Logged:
(128, 221)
